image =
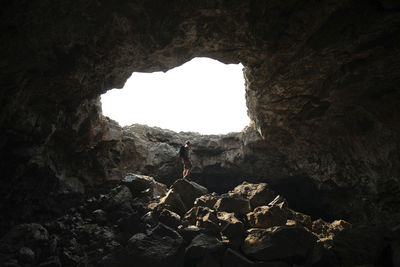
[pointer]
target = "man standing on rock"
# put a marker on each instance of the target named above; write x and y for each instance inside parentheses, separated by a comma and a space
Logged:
(184, 154)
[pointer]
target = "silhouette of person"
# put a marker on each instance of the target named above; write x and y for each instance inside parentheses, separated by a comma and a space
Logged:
(184, 153)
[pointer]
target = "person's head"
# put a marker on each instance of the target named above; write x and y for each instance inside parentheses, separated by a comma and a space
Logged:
(187, 143)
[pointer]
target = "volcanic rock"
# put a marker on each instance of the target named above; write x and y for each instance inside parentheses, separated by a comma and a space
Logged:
(265, 217)
(201, 246)
(279, 243)
(188, 191)
(206, 201)
(258, 194)
(234, 204)
(169, 218)
(161, 246)
(141, 183)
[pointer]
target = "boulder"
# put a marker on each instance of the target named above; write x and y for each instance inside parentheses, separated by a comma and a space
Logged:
(144, 184)
(327, 230)
(300, 218)
(235, 204)
(231, 227)
(120, 198)
(159, 247)
(279, 243)
(202, 217)
(188, 191)
(189, 232)
(257, 194)
(172, 201)
(169, 218)
(150, 219)
(265, 217)
(202, 245)
(206, 201)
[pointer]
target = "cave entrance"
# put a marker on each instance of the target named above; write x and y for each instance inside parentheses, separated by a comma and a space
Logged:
(202, 95)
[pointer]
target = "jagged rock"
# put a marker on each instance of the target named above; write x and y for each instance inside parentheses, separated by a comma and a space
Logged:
(280, 202)
(172, 201)
(234, 204)
(327, 230)
(169, 218)
(231, 227)
(188, 191)
(257, 194)
(265, 217)
(201, 246)
(189, 232)
(161, 246)
(206, 201)
(278, 243)
(233, 258)
(141, 183)
(202, 217)
(150, 218)
(119, 198)
(300, 218)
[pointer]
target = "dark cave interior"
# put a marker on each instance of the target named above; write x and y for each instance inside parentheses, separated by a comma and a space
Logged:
(322, 91)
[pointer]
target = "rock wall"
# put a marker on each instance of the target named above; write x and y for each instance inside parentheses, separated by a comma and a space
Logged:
(322, 83)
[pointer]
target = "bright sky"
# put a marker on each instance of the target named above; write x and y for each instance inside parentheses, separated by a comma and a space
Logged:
(203, 95)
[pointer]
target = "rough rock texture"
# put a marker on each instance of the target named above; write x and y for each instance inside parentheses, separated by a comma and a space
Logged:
(119, 228)
(322, 87)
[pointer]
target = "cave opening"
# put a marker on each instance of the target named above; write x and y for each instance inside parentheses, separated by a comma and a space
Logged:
(203, 95)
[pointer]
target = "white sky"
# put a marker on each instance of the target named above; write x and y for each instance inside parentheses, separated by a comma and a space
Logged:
(203, 95)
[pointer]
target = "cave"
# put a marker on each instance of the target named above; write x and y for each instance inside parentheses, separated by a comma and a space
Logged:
(322, 92)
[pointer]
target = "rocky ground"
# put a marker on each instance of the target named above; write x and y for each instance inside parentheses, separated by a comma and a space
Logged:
(142, 222)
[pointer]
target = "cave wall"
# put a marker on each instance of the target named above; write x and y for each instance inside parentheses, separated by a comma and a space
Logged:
(322, 83)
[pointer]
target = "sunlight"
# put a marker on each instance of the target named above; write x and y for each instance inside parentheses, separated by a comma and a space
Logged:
(203, 95)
